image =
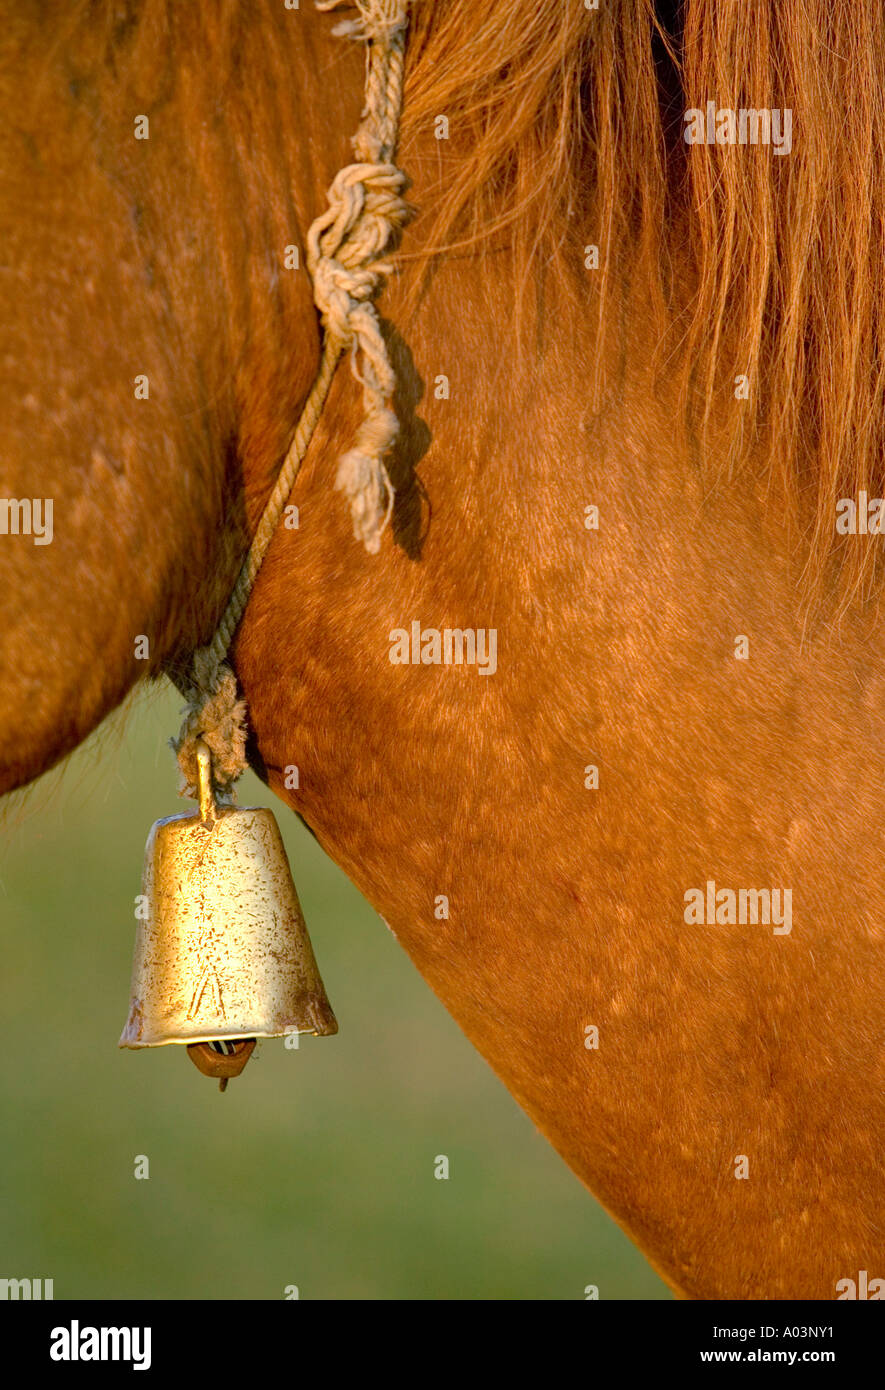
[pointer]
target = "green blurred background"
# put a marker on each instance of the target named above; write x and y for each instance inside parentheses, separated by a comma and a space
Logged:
(316, 1166)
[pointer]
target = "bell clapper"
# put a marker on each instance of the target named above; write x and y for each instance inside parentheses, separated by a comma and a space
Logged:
(221, 1058)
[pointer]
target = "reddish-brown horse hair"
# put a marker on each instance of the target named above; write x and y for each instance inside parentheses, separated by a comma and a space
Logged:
(568, 115)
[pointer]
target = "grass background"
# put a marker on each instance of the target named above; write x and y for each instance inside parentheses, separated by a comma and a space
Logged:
(316, 1166)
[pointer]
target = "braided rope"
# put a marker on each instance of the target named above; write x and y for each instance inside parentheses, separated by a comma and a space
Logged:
(344, 249)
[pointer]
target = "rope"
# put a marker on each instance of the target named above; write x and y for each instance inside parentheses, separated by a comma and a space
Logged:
(344, 246)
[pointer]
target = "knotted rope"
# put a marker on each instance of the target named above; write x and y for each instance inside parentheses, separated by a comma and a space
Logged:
(344, 249)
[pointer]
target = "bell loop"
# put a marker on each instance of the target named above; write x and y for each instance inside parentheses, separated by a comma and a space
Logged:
(205, 789)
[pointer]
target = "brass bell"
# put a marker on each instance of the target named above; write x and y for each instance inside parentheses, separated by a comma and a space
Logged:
(223, 956)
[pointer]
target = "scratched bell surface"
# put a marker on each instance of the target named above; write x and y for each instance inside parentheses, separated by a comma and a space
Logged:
(223, 951)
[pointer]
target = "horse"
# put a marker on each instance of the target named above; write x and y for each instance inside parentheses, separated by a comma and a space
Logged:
(639, 382)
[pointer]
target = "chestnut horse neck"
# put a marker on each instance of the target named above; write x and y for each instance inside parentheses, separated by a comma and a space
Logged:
(649, 715)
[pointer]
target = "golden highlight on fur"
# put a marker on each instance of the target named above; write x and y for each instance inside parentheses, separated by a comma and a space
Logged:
(771, 267)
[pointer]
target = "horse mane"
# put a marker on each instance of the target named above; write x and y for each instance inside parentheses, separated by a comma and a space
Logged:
(567, 121)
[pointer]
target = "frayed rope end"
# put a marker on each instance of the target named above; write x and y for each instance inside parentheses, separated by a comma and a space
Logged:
(365, 482)
(363, 477)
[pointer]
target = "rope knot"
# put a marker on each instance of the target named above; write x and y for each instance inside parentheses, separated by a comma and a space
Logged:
(216, 713)
(379, 19)
(345, 250)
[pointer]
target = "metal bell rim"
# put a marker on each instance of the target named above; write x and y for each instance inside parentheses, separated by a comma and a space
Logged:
(213, 1035)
